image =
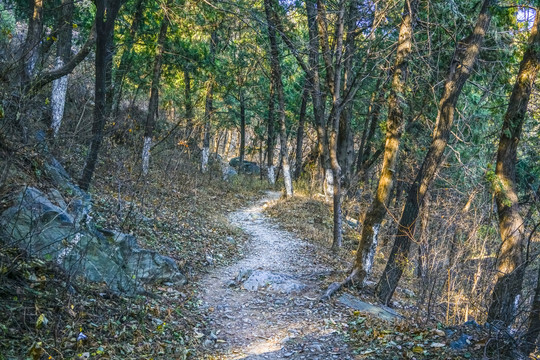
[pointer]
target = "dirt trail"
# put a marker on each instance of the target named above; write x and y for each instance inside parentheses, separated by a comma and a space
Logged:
(268, 324)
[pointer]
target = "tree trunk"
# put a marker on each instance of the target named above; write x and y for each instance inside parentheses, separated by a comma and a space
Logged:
(30, 50)
(104, 29)
(276, 76)
(209, 105)
(345, 139)
(461, 66)
(46, 77)
(372, 223)
(242, 130)
(63, 54)
(125, 60)
(313, 79)
(300, 133)
(270, 143)
(188, 104)
(533, 321)
(372, 119)
(335, 117)
(510, 262)
(154, 94)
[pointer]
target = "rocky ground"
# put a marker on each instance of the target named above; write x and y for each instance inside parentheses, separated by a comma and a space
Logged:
(266, 306)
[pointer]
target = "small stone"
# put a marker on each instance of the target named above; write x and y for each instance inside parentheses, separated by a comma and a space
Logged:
(208, 343)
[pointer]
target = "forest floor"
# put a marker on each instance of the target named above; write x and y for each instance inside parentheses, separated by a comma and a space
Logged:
(281, 320)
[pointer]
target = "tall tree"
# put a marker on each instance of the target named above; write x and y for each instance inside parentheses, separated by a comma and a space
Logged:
(460, 69)
(63, 54)
(300, 132)
(30, 50)
(106, 12)
(209, 103)
(394, 125)
(276, 78)
(127, 54)
(154, 92)
(335, 117)
(510, 262)
(270, 142)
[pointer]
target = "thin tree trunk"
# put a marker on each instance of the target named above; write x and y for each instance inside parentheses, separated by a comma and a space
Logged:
(226, 145)
(188, 104)
(313, 79)
(510, 262)
(330, 173)
(63, 54)
(125, 60)
(154, 94)
(374, 217)
(46, 77)
(460, 69)
(242, 130)
(300, 133)
(270, 143)
(104, 29)
(276, 75)
(335, 117)
(30, 51)
(533, 321)
(372, 119)
(345, 139)
(209, 106)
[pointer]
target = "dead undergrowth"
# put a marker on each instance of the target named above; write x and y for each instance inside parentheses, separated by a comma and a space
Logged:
(421, 335)
(175, 210)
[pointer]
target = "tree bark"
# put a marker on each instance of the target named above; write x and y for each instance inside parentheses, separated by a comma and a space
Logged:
(242, 130)
(510, 262)
(394, 124)
(270, 143)
(300, 133)
(372, 119)
(533, 321)
(63, 54)
(188, 104)
(335, 117)
(345, 139)
(313, 79)
(276, 76)
(461, 66)
(45, 78)
(209, 105)
(125, 60)
(30, 51)
(154, 94)
(104, 28)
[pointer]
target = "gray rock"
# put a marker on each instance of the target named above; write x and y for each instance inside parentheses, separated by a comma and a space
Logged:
(249, 167)
(273, 282)
(228, 172)
(382, 312)
(461, 343)
(34, 224)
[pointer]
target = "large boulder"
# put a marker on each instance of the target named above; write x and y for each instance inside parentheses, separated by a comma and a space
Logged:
(249, 167)
(46, 226)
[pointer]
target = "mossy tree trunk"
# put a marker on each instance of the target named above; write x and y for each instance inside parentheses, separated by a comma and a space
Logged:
(394, 124)
(461, 66)
(510, 262)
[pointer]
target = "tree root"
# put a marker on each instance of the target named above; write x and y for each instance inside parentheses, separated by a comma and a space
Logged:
(336, 286)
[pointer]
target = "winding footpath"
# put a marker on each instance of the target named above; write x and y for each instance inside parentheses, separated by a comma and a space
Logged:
(271, 322)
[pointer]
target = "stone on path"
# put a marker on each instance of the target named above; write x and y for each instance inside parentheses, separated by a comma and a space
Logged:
(280, 283)
(378, 311)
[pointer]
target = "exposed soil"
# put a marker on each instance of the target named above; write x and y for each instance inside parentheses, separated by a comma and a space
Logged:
(268, 324)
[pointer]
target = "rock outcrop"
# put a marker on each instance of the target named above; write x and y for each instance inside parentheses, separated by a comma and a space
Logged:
(47, 226)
